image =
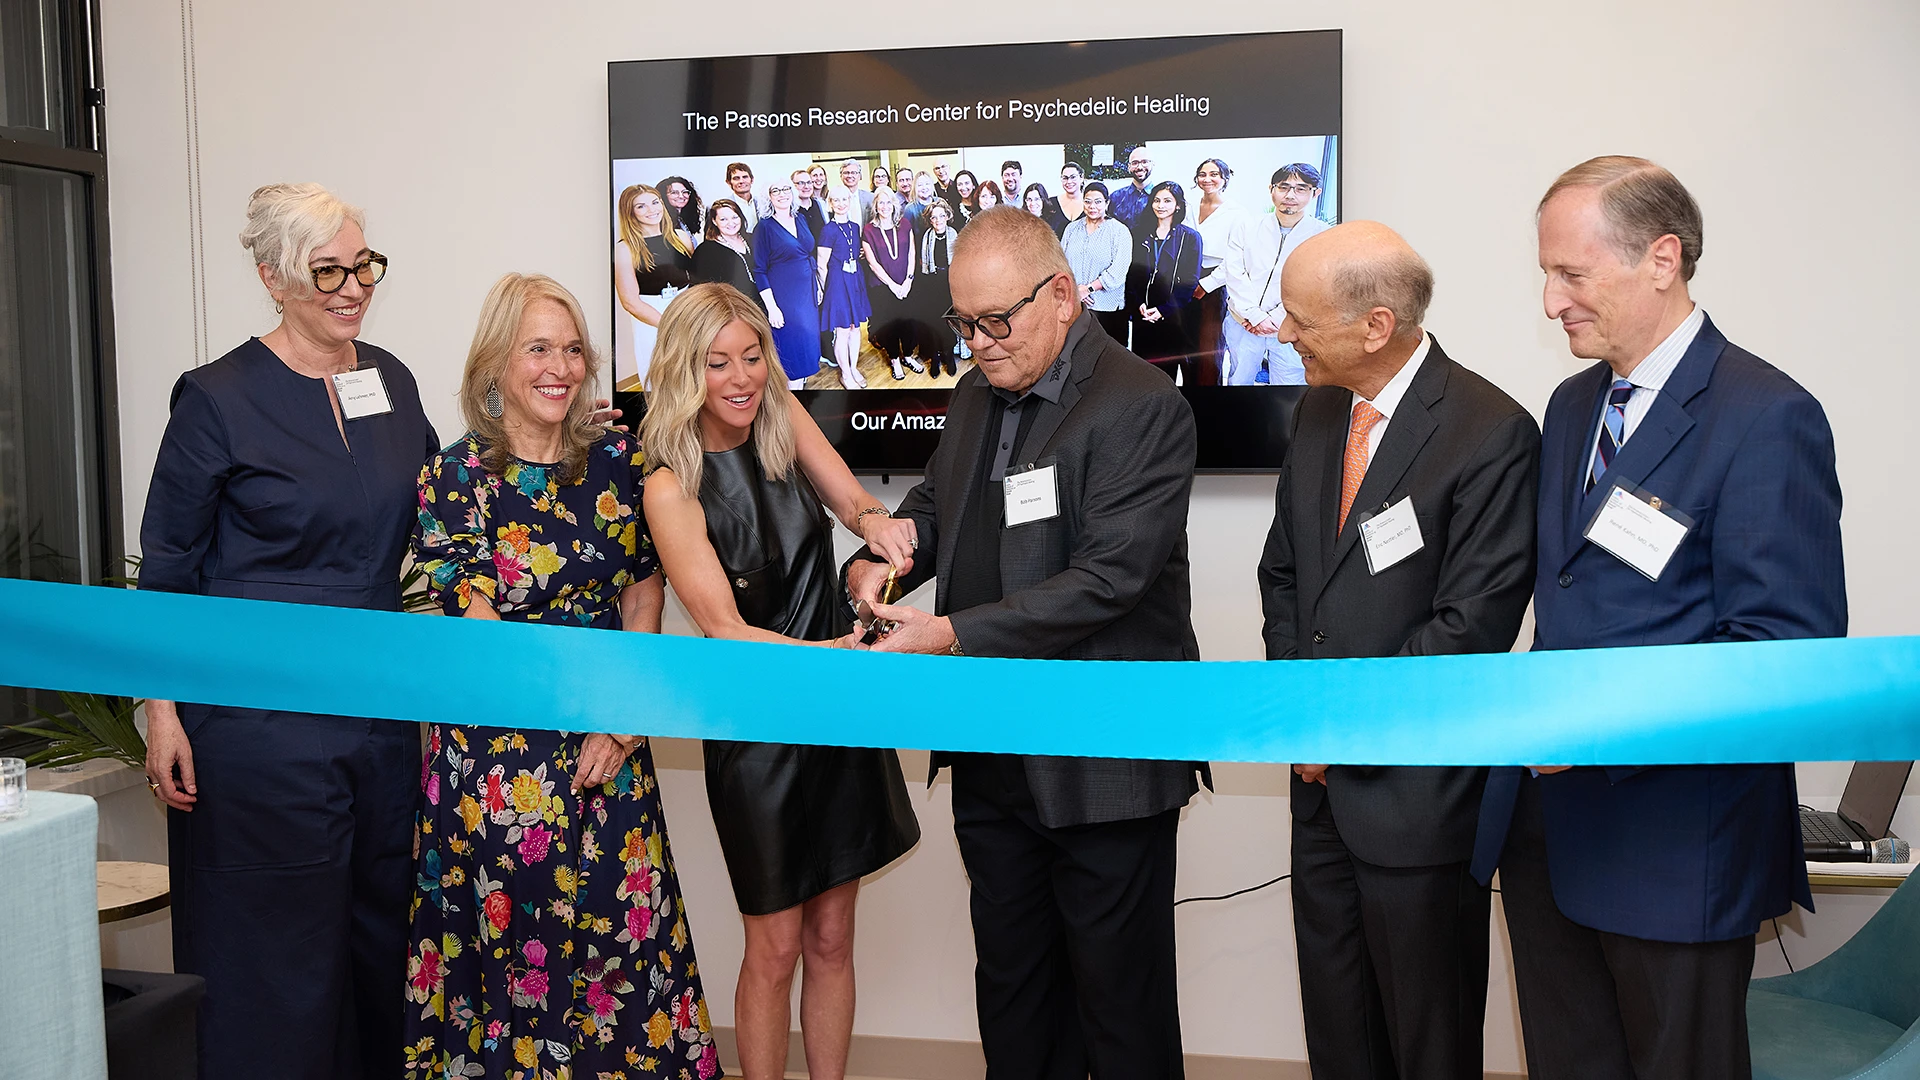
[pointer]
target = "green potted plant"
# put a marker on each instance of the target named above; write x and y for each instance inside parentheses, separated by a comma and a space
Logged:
(89, 726)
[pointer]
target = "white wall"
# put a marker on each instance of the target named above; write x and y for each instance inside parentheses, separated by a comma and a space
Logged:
(481, 148)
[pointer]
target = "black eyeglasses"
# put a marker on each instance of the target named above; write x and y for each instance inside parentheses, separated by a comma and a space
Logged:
(996, 325)
(333, 277)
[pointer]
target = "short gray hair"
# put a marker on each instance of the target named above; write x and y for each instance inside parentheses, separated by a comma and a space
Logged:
(1641, 202)
(1400, 281)
(1011, 231)
(286, 222)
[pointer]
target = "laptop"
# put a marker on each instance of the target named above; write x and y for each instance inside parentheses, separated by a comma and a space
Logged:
(1866, 810)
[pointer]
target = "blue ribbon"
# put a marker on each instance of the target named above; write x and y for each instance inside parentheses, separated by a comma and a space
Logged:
(1821, 700)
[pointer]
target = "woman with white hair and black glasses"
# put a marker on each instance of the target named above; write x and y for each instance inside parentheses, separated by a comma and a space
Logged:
(287, 473)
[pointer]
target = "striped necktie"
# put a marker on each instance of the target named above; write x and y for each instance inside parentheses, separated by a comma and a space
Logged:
(1613, 431)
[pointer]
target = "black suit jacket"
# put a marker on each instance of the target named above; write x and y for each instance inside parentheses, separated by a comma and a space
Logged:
(1106, 579)
(1469, 457)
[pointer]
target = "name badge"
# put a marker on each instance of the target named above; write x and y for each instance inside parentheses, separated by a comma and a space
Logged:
(362, 393)
(1390, 535)
(1639, 530)
(1031, 496)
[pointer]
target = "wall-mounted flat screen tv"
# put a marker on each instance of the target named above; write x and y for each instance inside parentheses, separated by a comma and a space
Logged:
(1179, 173)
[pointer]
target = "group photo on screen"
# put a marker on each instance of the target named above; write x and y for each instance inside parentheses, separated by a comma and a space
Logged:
(1176, 245)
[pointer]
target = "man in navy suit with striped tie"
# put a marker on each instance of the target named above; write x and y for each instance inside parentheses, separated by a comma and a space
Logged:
(1633, 893)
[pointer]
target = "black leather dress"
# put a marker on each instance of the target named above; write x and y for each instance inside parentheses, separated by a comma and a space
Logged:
(794, 821)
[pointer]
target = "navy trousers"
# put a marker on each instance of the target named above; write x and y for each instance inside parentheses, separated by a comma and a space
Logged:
(292, 877)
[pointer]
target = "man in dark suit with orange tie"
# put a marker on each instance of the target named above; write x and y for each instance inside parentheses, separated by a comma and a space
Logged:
(1404, 527)
(1687, 494)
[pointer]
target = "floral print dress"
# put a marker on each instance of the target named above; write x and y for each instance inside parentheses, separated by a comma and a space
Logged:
(549, 937)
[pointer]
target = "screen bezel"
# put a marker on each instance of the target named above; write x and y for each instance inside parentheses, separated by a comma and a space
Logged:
(1242, 430)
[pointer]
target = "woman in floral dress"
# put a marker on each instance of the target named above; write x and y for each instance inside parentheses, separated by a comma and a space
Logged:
(549, 939)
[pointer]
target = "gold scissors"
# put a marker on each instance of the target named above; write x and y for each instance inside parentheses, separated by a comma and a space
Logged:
(878, 628)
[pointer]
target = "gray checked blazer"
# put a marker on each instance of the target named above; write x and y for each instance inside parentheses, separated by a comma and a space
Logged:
(1106, 579)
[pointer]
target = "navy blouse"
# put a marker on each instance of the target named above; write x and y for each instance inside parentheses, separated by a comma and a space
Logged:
(255, 495)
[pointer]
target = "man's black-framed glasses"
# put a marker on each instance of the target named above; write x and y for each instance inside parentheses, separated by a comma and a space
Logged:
(333, 277)
(995, 324)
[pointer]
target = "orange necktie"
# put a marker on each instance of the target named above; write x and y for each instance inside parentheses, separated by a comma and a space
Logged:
(1354, 469)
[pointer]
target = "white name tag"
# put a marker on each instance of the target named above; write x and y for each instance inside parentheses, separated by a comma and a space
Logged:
(1390, 535)
(362, 393)
(1031, 496)
(1639, 532)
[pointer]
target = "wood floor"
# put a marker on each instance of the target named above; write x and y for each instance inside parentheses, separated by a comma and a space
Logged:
(873, 367)
(879, 373)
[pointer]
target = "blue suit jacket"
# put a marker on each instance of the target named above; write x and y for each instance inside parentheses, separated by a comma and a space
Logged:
(1683, 853)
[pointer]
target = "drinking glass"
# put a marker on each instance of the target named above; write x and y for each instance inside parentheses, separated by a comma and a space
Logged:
(13, 788)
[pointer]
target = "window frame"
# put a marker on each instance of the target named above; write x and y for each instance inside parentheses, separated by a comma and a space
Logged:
(83, 154)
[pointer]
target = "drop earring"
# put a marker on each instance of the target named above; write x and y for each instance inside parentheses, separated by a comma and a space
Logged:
(495, 407)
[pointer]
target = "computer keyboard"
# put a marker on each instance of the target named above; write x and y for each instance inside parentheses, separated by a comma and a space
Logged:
(1816, 827)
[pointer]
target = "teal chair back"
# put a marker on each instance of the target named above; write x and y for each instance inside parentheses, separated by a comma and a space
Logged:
(1877, 971)
(1852, 1016)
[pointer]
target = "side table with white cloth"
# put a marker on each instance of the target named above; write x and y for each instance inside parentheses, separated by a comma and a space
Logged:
(50, 997)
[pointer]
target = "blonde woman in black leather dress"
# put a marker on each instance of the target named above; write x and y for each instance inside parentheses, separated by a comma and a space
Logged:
(738, 507)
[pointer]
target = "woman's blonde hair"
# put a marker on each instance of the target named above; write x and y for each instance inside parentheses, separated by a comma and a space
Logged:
(286, 222)
(630, 228)
(671, 429)
(494, 341)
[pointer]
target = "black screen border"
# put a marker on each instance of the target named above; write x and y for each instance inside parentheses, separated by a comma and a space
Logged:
(1242, 430)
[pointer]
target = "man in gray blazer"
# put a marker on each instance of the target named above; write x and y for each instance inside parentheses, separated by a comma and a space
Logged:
(1054, 514)
(1404, 527)
(850, 178)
